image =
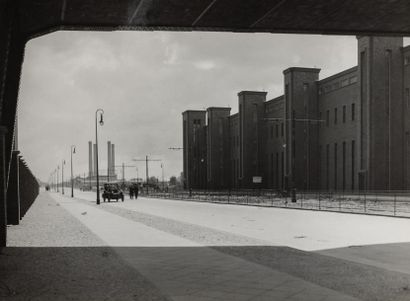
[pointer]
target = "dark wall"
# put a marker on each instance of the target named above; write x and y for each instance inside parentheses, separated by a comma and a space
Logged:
(301, 109)
(382, 127)
(339, 93)
(193, 147)
(251, 114)
(274, 142)
(218, 148)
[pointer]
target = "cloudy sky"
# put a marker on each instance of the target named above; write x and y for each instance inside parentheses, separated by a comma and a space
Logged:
(144, 81)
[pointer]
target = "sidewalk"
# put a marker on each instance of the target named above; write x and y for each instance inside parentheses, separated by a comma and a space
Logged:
(136, 260)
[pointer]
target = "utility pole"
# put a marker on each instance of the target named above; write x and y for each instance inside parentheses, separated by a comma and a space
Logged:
(123, 174)
(58, 171)
(146, 166)
(123, 166)
(62, 176)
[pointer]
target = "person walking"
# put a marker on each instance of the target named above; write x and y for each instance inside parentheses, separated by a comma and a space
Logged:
(131, 189)
(136, 191)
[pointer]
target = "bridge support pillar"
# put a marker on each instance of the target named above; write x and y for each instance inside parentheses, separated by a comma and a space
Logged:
(13, 191)
(3, 194)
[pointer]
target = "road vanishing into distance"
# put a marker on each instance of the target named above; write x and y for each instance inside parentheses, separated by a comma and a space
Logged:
(155, 249)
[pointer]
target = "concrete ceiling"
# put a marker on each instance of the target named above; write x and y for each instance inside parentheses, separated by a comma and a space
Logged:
(391, 17)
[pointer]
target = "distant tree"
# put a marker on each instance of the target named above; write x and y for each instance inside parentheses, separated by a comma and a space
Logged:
(173, 180)
(152, 180)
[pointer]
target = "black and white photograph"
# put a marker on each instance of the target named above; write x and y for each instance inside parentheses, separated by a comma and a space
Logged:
(204, 150)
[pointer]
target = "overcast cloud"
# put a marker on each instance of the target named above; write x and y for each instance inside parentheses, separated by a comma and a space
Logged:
(144, 81)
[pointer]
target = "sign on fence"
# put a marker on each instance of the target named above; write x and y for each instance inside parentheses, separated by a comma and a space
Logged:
(257, 179)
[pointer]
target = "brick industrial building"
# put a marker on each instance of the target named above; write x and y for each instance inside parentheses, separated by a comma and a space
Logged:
(349, 131)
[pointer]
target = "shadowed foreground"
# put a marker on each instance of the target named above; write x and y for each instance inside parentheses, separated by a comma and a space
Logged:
(71, 249)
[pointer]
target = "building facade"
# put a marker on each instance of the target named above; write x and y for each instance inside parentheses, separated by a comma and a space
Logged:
(349, 131)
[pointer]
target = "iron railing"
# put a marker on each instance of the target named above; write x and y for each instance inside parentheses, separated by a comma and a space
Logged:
(386, 203)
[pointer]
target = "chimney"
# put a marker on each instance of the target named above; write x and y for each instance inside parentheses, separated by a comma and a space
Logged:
(90, 159)
(109, 170)
(113, 159)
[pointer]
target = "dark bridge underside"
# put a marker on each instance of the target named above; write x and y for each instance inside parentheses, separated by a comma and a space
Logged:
(302, 16)
(21, 20)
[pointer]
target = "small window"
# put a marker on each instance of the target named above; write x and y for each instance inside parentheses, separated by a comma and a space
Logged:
(408, 97)
(282, 130)
(327, 117)
(353, 112)
(335, 115)
(345, 82)
(353, 80)
(344, 114)
(305, 87)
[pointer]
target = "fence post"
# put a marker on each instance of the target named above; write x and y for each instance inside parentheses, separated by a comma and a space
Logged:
(320, 208)
(394, 204)
(340, 203)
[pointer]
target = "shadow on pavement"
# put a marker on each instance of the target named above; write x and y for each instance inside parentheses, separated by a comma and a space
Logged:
(162, 273)
(71, 273)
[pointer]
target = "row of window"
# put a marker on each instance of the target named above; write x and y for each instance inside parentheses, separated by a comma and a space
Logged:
(336, 164)
(276, 127)
(336, 113)
(197, 121)
(340, 84)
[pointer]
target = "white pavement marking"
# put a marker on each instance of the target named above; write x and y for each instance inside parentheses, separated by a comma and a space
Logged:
(116, 230)
(300, 229)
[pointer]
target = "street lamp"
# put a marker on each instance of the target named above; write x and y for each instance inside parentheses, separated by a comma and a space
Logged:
(72, 181)
(62, 176)
(58, 171)
(101, 122)
(162, 168)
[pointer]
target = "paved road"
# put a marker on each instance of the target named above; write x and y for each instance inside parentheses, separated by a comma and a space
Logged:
(187, 251)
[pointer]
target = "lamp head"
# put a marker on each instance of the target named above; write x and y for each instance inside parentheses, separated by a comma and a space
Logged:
(101, 119)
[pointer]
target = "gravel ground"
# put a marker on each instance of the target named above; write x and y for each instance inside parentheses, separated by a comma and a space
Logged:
(199, 234)
(358, 280)
(47, 224)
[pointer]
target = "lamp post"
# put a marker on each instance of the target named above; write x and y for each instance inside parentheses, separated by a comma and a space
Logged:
(62, 176)
(162, 169)
(101, 122)
(72, 181)
(58, 171)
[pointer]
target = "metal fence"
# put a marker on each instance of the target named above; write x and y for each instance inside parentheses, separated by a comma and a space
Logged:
(386, 203)
(22, 189)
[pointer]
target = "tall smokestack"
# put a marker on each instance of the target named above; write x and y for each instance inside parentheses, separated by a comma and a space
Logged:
(95, 159)
(113, 159)
(109, 158)
(90, 158)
